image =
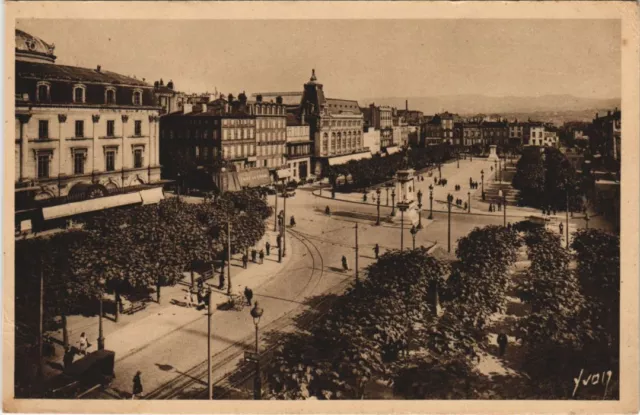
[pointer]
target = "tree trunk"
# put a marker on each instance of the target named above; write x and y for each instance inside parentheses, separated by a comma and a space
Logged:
(65, 331)
(192, 277)
(158, 291)
(117, 297)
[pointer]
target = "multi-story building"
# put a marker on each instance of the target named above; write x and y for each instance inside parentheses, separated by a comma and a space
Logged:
(516, 132)
(80, 134)
(550, 139)
(458, 131)
(495, 132)
(472, 134)
(335, 126)
(168, 99)
(271, 132)
(608, 129)
(400, 129)
(412, 117)
(371, 139)
(222, 136)
(439, 128)
(381, 119)
(534, 133)
(299, 148)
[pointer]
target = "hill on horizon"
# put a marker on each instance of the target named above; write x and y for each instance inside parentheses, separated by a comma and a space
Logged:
(482, 104)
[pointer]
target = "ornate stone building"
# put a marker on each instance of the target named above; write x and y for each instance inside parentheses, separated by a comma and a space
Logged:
(79, 134)
(335, 126)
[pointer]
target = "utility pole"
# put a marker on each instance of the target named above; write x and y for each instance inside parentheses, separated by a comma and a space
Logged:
(504, 209)
(228, 255)
(401, 230)
(449, 200)
(40, 334)
(469, 202)
(275, 214)
(567, 219)
(210, 366)
(357, 276)
(284, 223)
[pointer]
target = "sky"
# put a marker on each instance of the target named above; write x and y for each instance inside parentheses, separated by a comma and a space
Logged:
(354, 59)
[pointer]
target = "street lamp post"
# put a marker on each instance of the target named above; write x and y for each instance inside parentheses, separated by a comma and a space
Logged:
(256, 313)
(504, 209)
(228, 255)
(468, 202)
(414, 231)
(439, 171)
(393, 202)
(458, 159)
(275, 213)
(209, 358)
(284, 219)
(100, 333)
(402, 206)
(378, 204)
(419, 209)
(586, 220)
(430, 201)
(495, 163)
(567, 218)
(387, 189)
(449, 200)
(482, 177)
(178, 187)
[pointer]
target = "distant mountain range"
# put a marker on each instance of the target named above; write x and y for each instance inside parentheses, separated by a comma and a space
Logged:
(482, 104)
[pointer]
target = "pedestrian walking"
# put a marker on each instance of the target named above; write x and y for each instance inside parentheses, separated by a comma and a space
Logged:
(67, 360)
(245, 259)
(268, 248)
(502, 343)
(327, 211)
(376, 250)
(508, 225)
(248, 293)
(83, 343)
(466, 206)
(364, 198)
(220, 280)
(292, 221)
(345, 264)
(137, 385)
(561, 227)
(490, 207)
(261, 256)
(187, 299)
(279, 241)
(499, 206)
(254, 255)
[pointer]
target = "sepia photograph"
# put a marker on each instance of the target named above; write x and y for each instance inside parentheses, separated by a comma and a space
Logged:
(236, 208)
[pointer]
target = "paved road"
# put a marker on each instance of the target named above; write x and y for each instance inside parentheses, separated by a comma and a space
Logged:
(175, 366)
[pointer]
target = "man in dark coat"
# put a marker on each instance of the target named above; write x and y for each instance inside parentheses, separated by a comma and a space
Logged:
(502, 343)
(69, 354)
(245, 259)
(376, 250)
(268, 247)
(248, 293)
(261, 256)
(254, 255)
(137, 385)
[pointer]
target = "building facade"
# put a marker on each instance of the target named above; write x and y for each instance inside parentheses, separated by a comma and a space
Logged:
(271, 132)
(335, 126)
(299, 148)
(516, 133)
(80, 133)
(371, 139)
(534, 134)
(495, 132)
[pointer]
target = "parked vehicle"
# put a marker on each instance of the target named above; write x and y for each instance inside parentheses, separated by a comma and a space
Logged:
(93, 371)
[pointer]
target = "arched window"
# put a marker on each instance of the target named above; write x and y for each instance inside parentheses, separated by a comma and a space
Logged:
(333, 142)
(325, 143)
(137, 97)
(43, 91)
(110, 95)
(79, 94)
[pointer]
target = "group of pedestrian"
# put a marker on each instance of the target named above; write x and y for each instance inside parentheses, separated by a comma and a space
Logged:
(457, 187)
(492, 207)
(548, 210)
(472, 184)
(442, 182)
(248, 293)
(459, 203)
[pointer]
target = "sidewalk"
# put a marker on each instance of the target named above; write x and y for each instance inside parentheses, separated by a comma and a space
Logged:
(158, 320)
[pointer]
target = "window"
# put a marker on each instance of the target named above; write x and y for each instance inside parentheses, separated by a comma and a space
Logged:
(137, 97)
(79, 128)
(78, 94)
(43, 92)
(137, 158)
(43, 166)
(111, 128)
(137, 131)
(43, 129)
(78, 162)
(110, 97)
(110, 160)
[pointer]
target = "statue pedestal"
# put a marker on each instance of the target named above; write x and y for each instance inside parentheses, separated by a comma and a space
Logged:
(492, 153)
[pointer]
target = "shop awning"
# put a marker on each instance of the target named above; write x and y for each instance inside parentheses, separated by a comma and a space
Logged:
(151, 196)
(392, 150)
(91, 205)
(283, 174)
(254, 177)
(344, 159)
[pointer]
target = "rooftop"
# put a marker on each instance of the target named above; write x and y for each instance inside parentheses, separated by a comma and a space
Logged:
(53, 72)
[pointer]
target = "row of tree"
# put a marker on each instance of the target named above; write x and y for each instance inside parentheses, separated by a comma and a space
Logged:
(126, 252)
(574, 319)
(390, 328)
(367, 172)
(544, 178)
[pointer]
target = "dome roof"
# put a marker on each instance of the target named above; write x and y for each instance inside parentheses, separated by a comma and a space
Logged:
(34, 49)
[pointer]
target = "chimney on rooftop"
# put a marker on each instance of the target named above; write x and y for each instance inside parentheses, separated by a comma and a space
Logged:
(98, 68)
(406, 105)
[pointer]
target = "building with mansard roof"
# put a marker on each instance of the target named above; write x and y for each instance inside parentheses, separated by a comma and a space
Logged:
(80, 134)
